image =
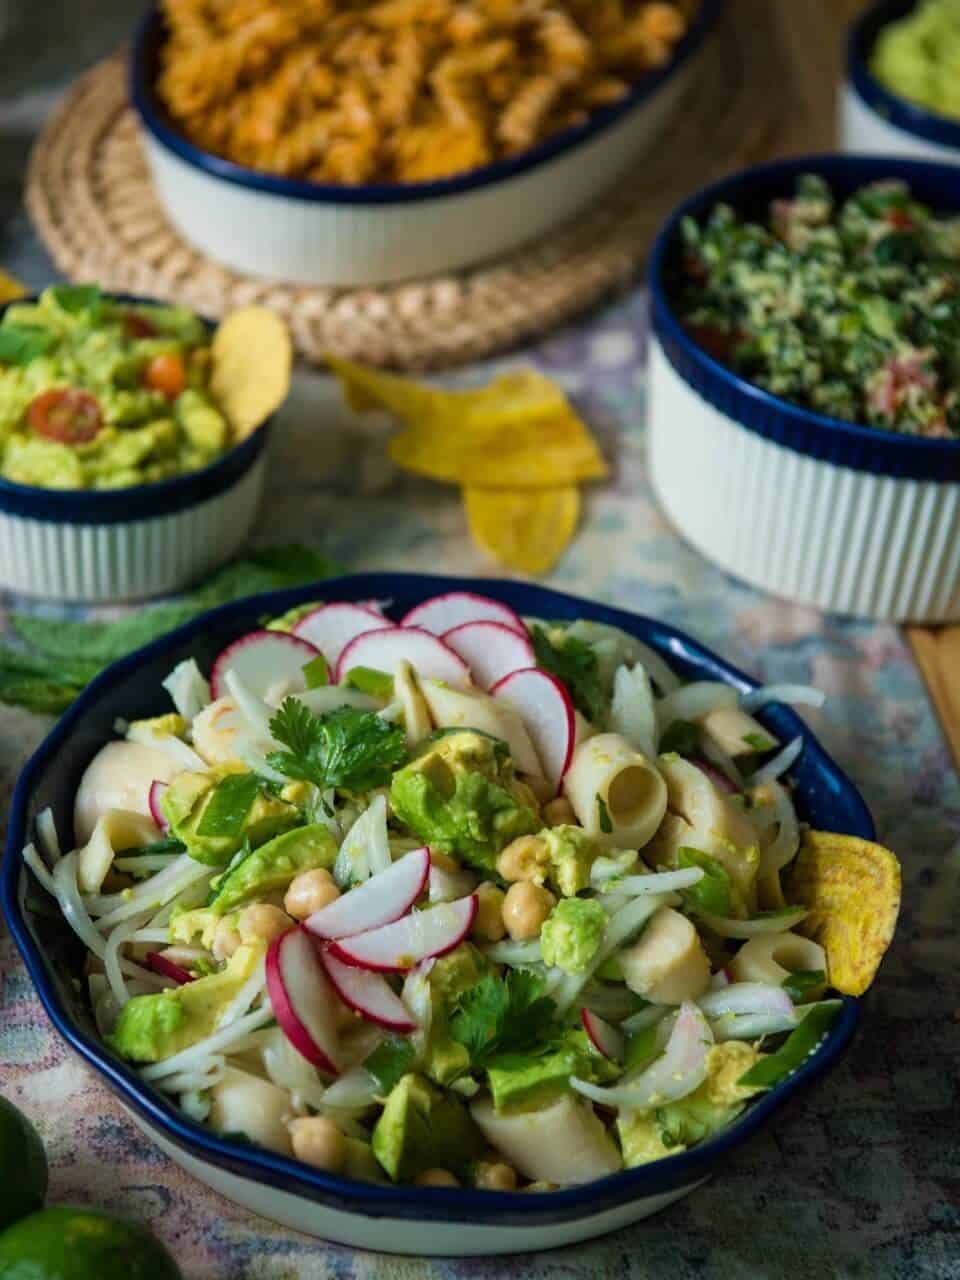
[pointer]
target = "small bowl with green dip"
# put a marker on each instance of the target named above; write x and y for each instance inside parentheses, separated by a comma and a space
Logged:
(132, 441)
(902, 93)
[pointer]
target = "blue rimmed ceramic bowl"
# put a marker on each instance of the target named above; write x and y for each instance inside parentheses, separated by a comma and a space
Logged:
(317, 233)
(103, 545)
(845, 517)
(401, 1219)
(874, 119)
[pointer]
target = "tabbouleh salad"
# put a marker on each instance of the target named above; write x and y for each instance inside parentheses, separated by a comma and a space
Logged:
(848, 308)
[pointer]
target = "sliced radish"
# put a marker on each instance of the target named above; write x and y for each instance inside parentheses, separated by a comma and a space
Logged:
(379, 901)
(331, 627)
(384, 650)
(303, 1001)
(491, 650)
(606, 1039)
(262, 660)
(160, 964)
(442, 613)
(368, 994)
(547, 711)
(406, 942)
(157, 788)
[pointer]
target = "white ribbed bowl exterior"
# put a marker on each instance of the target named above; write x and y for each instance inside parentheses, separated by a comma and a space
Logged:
(862, 129)
(848, 541)
(130, 560)
(283, 238)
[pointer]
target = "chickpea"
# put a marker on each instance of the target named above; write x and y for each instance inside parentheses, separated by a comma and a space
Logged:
(436, 1178)
(559, 813)
(263, 922)
(308, 892)
(318, 1141)
(226, 939)
(488, 925)
(525, 858)
(496, 1177)
(525, 908)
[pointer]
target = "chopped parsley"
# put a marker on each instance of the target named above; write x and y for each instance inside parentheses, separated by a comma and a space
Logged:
(350, 749)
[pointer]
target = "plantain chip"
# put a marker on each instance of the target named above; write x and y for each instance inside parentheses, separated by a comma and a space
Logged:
(523, 529)
(851, 889)
(252, 359)
(10, 288)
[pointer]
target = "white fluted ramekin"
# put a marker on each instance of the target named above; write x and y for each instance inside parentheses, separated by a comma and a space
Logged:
(878, 122)
(849, 518)
(319, 233)
(103, 545)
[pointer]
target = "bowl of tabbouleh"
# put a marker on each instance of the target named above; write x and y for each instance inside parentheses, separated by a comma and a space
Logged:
(132, 437)
(804, 427)
(902, 92)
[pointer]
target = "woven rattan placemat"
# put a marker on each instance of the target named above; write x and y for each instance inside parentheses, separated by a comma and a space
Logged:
(90, 196)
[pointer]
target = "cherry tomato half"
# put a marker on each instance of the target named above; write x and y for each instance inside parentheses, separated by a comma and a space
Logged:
(66, 415)
(139, 326)
(166, 373)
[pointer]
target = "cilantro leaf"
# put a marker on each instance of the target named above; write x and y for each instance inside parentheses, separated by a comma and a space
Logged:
(575, 664)
(501, 1016)
(391, 1059)
(351, 749)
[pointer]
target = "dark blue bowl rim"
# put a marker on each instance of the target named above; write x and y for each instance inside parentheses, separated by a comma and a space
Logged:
(154, 119)
(925, 455)
(139, 501)
(678, 1171)
(900, 112)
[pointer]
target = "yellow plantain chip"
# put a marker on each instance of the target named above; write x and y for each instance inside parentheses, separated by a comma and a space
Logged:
(252, 358)
(851, 889)
(528, 530)
(10, 288)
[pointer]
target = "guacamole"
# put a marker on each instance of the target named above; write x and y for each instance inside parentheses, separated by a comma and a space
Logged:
(918, 56)
(102, 394)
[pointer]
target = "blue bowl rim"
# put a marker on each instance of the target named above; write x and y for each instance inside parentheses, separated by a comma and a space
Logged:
(900, 112)
(768, 414)
(140, 501)
(143, 66)
(462, 1205)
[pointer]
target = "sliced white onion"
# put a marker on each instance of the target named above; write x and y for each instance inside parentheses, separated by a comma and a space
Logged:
(779, 765)
(356, 1088)
(791, 694)
(112, 961)
(143, 862)
(196, 1081)
(39, 868)
(152, 935)
(725, 927)
(648, 1017)
(392, 712)
(693, 701)
(224, 1040)
(67, 893)
(255, 759)
(514, 953)
(196, 1105)
(254, 710)
(331, 697)
(605, 868)
(751, 1026)
(174, 748)
(720, 760)
(246, 996)
(746, 997)
(660, 673)
(447, 886)
(632, 711)
(660, 881)
(150, 894)
(290, 1069)
(783, 848)
(188, 689)
(47, 836)
(366, 846)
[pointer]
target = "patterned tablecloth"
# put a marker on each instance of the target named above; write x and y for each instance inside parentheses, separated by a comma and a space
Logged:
(862, 1177)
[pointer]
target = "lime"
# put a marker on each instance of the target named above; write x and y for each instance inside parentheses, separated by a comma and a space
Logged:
(23, 1165)
(66, 1243)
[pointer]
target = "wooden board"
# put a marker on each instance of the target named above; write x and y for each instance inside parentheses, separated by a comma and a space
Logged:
(937, 652)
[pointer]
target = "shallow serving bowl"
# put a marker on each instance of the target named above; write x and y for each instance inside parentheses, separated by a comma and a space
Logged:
(872, 118)
(845, 517)
(102, 545)
(318, 233)
(402, 1219)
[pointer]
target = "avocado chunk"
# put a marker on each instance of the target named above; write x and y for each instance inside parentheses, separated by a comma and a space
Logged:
(524, 1083)
(147, 731)
(572, 934)
(154, 1027)
(272, 867)
(360, 1162)
(422, 1127)
(444, 1059)
(572, 854)
(187, 800)
(459, 795)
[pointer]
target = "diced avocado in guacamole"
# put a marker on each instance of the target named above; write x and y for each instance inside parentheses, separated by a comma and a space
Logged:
(274, 865)
(157, 1026)
(423, 1127)
(521, 1082)
(186, 800)
(459, 796)
(572, 933)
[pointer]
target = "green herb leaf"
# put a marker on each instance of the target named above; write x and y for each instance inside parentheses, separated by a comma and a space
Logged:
(759, 742)
(606, 824)
(575, 664)
(681, 736)
(799, 984)
(712, 893)
(391, 1059)
(230, 802)
(76, 298)
(316, 672)
(501, 1016)
(377, 684)
(19, 344)
(351, 749)
(169, 844)
(796, 1048)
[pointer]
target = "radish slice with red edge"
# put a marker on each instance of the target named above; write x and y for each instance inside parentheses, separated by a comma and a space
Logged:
(379, 901)
(263, 660)
(604, 1037)
(384, 650)
(368, 994)
(441, 614)
(717, 777)
(547, 711)
(167, 969)
(302, 999)
(406, 942)
(491, 650)
(331, 627)
(157, 788)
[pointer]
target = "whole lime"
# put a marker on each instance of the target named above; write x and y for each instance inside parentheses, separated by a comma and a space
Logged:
(66, 1243)
(23, 1165)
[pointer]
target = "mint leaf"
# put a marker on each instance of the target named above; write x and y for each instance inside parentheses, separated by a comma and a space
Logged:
(391, 1060)
(711, 894)
(350, 749)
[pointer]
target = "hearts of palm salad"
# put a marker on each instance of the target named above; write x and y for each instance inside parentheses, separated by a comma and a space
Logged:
(461, 900)
(850, 308)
